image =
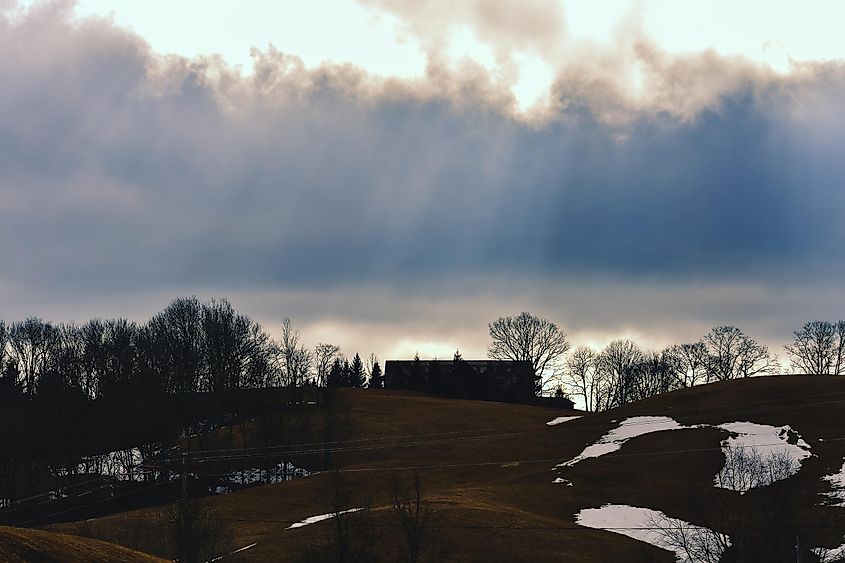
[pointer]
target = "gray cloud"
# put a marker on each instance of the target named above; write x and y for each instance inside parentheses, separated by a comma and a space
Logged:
(125, 175)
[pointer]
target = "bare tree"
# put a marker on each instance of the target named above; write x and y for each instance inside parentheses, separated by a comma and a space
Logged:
(651, 375)
(370, 363)
(4, 348)
(4, 337)
(94, 370)
(617, 363)
(121, 353)
(731, 355)
(175, 341)
(699, 544)
(324, 356)
(194, 533)
(525, 337)
(418, 522)
(237, 351)
(747, 468)
(225, 345)
(32, 343)
(582, 372)
(353, 536)
(109, 355)
(65, 369)
(689, 362)
(818, 348)
(777, 525)
(300, 366)
(296, 360)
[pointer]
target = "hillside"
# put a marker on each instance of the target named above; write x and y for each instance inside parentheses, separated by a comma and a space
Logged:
(19, 545)
(490, 470)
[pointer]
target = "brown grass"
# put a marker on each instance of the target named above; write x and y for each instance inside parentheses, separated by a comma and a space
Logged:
(20, 545)
(495, 488)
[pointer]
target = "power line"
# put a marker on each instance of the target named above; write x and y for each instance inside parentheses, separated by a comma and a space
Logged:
(275, 451)
(570, 526)
(589, 419)
(358, 440)
(132, 471)
(403, 444)
(542, 460)
(90, 504)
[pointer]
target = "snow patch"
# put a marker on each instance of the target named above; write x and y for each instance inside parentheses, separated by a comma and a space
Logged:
(123, 465)
(779, 450)
(628, 429)
(826, 554)
(283, 471)
(320, 518)
(250, 546)
(655, 528)
(562, 480)
(757, 455)
(837, 485)
(766, 439)
(561, 420)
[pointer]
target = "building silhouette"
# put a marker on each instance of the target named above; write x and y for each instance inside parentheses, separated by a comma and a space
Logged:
(492, 380)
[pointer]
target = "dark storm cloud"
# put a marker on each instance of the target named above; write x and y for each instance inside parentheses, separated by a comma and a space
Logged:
(123, 169)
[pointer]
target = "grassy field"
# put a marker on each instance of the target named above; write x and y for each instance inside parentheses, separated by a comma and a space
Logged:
(489, 469)
(17, 545)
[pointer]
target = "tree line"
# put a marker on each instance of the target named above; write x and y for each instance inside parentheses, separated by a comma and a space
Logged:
(85, 395)
(622, 373)
(190, 346)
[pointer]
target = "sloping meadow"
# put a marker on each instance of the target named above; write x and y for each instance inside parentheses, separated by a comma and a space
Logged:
(744, 470)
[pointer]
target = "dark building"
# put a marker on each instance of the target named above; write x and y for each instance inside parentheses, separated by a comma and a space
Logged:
(493, 380)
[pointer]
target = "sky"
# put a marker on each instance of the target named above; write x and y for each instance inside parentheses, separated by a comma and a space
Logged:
(393, 175)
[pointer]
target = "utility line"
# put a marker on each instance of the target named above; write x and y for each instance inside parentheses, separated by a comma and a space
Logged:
(87, 505)
(589, 420)
(558, 527)
(274, 451)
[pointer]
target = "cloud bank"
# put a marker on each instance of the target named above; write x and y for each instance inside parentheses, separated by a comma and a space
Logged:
(127, 173)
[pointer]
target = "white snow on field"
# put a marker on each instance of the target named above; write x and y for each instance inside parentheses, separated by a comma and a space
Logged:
(121, 464)
(283, 471)
(830, 554)
(320, 518)
(766, 439)
(654, 528)
(757, 455)
(561, 420)
(250, 546)
(628, 429)
(567, 482)
(837, 485)
(749, 446)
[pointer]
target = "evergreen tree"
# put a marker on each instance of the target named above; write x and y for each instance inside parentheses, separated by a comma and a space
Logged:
(347, 374)
(357, 375)
(376, 377)
(336, 377)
